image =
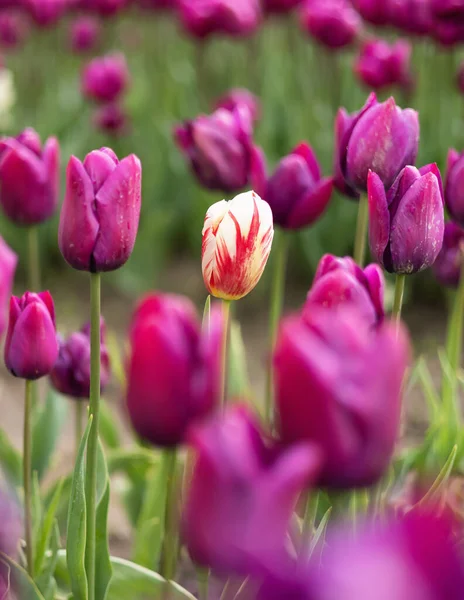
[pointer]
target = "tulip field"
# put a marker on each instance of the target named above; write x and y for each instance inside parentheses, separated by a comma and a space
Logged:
(218, 219)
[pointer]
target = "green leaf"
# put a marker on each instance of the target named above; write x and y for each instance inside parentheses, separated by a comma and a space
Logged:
(76, 530)
(319, 536)
(430, 394)
(36, 505)
(103, 569)
(108, 429)
(436, 490)
(46, 528)
(46, 431)
(10, 461)
(238, 383)
(45, 580)
(206, 314)
(22, 584)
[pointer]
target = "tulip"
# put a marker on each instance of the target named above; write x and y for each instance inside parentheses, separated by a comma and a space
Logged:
(111, 119)
(106, 8)
(280, 6)
(454, 189)
(411, 16)
(219, 149)
(406, 224)
(100, 213)
(46, 12)
(381, 65)
(202, 18)
(174, 369)
(71, 373)
(241, 100)
(31, 347)
(448, 264)
(296, 192)
(29, 178)
(237, 239)
(340, 282)
(13, 29)
(448, 9)
(242, 494)
(448, 32)
(84, 33)
(338, 384)
(158, 4)
(333, 23)
(373, 11)
(8, 262)
(105, 78)
(380, 137)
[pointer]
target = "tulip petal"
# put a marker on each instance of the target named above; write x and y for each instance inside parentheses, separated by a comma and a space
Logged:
(47, 299)
(8, 263)
(376, 285)
(258, 176)
(51, 159)
(379, 217)
(305, 151)
(433, 168)
(312, 206)
(452, 159)
(99, 166)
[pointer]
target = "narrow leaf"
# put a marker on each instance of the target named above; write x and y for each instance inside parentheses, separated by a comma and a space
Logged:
(46, 528)
(207, 313)
(238, 382)
(46, 581)
(20, 581)
(103, 569)
(436, 490)
(10, 461)
(319, 535)
(47, 430)
(430, 394)
(108, 430)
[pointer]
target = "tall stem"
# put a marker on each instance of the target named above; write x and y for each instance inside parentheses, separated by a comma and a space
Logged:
(91, 471)
(224, 353)
(33, 258)
(27, 477)
(281, 244)
(169, 563)
(398, 299)
(361, 230)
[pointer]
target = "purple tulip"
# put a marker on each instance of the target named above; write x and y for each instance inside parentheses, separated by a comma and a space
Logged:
(242, 100)
(338, 384)
(8, 262)
(105, 78)
(111, 119)
(219, 149)
(333, 23)
(100, 213)
(46, 12)
(411, 16)
(71, 373)
(84, 33)
(380, 64)
(296, 192)
(29, 177)
(447, 266)
(279, 6)
(31, 346)
(13, 29)
(158, 4)
(406, 224)
(340, 282)
(242, 494)
(202, 18)
(381, 137)
(174, 369)
(448, 9)
(373, 11)
(454, 189)
(105, 8)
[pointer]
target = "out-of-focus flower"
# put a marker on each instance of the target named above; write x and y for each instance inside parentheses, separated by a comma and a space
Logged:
(202, 18)
(242, 100)
(381, 137)
(10, 537)
(296, 191)
(454, 188)
(373, 11)
(105, 8)
(242, 494)
(338, 384)
(7, 96)
(340, 282)
(279, 6)
(71, 373)
(447, 266)
(84, 33)
(333, 23)
(411, 16)
(46, 12)
(13, 29)
(29, 177)
(380, 64)
(237, 239)
(174, 368)
(111, 119)
(406, 224)
(100, 213)
(219, 149)
(158, 4)
(31, 346)
(105, 78)
(8, 262)
(448, 32)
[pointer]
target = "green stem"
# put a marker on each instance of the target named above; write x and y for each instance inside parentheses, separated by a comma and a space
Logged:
(225, 340)
(354, 511)
(361, 230)
(281, 244)
(33, 262)
(398, 299)
(27, 477)
(169, 562)
(79, 421)
(309, 519)
(91, 470)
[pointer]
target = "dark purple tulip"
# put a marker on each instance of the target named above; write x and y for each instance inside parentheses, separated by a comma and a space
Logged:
(340, 282)
(105, 78)
(242, 494)
(174, 368)
(381, 137)
(454, 189)
(447, 266)
(411, 16)
(296, 191)
(46, 12)
(105, 8)
(158, 4)
(338, 384)
(373, 11)
(29, 177)
(448, 33)
(242, 100)
(219, 149)
(381, 65)
(8, 262)
(31, 346)
(448, 9)
(112, 119)
(406, 224)
(71, 373)
(100, 213)
(84, 33)
(333, 23)
(202, 18)
(279, 6)
(13, 29)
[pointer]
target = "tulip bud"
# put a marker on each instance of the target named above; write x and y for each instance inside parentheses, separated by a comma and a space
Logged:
(45, 12)
(338, 384)
(340, 282)
(219, 149)
(105, 8)
(8, 262)
(406, 224)
(31, 347)
(71, 373)
(380, 65)
(242, 494)
(105, 78)
(237, 239)
(333, 23)
(454, 189)
(201, 18)
(84, 33)
(29, 178)
(411, 16)
(448, 264)
(111, 119)
(243, 101)
(158, 4)
(296, 192)
(380, 137)
(100, 213)
(279, 6)
(13, 29)
(373, 11)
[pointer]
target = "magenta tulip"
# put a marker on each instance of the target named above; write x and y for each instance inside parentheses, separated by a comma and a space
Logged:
(8, 262)
(13, 29)
(100, 213)
(105, 8)
(448, 264)
(333, 23)
(374, 11)
(84, 33)
(111, 119)
(454, 188)
(46, 12)
(105, 78)
(158, 4)
(279, 6)
(202, 18)
(381, 65)
(412, 16)
(242, 100)
(406, 224)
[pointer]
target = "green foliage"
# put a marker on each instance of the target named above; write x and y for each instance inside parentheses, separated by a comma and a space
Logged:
(11, 461)
(20, 582)
(103, 569)
(49, 422)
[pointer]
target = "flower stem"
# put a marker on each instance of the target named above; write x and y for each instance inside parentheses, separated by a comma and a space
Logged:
(281, 245)
(79, 421)
(398, 299)
(361, 230)
(225, 341)
(27, 477)
(33, 259)
(169, 563)
(91, 471)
